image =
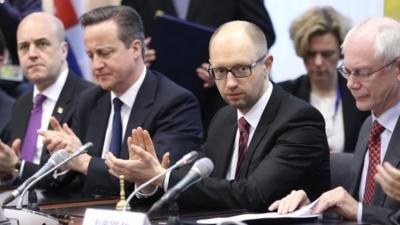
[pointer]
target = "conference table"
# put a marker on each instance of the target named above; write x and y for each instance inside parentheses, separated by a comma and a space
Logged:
(70, 209)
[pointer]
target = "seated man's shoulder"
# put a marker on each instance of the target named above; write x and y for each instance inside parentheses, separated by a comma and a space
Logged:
(167, 87)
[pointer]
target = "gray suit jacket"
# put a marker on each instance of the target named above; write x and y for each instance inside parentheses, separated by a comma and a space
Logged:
(382, 205)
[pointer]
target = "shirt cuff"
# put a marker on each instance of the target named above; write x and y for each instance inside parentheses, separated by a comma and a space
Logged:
(359, 213)
(166, 181)
(21, 168)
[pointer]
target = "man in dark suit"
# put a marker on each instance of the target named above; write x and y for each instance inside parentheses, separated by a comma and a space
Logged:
(373, 78)
(263, 144)
(42, 52)
(114, 41)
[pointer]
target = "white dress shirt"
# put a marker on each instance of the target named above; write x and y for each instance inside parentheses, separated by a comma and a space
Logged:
(252, 117)
(128, 99)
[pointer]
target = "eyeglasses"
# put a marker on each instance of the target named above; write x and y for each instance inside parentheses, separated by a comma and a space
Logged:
(238, 71)
(362, 74)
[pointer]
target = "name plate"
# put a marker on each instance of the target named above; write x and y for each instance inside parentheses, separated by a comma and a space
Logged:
(113, 217)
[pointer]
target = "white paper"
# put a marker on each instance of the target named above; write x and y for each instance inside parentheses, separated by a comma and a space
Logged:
(301, 213)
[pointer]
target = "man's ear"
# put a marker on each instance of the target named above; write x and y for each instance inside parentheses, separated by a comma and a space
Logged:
(136, 48)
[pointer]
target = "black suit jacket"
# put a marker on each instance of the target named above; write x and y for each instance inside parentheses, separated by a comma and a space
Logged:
(209, 12)
(382, 205)
(288, 151)
(6, 103)
(21, 111)
(170, 113)
(352, 117)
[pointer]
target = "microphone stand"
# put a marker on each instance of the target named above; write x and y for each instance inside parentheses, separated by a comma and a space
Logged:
(146, 184)
(84, 149)
(188, 158)
(173, 214)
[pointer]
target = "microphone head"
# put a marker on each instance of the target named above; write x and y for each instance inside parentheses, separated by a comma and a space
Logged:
(203, 167)
(188, 158)
(59, 156)
(85, 148)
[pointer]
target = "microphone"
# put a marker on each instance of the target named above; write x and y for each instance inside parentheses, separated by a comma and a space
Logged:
(201, 168)
(186, 159)
(55, 159)
(81, 150)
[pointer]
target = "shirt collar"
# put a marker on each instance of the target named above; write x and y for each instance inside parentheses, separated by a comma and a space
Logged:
(132, 92)
(389, 118)
(253, 116)
(54, 90)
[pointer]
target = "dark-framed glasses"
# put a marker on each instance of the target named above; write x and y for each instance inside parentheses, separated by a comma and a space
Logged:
(362, 74)
(238, 71)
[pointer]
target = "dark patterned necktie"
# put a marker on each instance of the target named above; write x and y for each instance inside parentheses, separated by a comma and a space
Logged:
(374, 152)
(244, 128)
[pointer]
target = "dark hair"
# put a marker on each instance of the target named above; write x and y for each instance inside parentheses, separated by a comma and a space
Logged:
(3, 43)
(129, 23)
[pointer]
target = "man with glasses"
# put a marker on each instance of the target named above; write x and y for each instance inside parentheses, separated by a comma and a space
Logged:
(263, 144)
(372, 69)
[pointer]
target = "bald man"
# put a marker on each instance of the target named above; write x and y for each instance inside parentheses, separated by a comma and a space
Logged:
(265, 142)
(42, 53)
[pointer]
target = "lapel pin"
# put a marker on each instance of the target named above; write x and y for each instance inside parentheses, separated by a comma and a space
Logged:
(60, 110)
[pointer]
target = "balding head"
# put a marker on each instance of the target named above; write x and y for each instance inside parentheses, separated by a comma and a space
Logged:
(382, 33)
(50, 21)
(42, 50)
(241, 31)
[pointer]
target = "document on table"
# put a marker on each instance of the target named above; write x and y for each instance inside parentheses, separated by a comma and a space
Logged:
(301, 213)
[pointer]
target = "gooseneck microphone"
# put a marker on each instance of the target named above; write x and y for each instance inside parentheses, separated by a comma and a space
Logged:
(201, 168)
(81, 150)
(55, 159)
(186, 159)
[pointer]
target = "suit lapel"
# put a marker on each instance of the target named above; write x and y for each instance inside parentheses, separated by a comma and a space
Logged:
(99, 122)
(393, 157)
(359, 155)
(141, 108)
(64, 99)
(266, 118)
(224, 143)
(23, 114)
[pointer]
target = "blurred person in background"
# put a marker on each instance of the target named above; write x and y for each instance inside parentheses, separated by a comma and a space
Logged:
(317, 35)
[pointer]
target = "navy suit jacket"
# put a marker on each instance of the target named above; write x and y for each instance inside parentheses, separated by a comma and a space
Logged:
(170, 113)
(382, 205)
(288, 151)
(6, 103)
(17, 126)
(352, 117)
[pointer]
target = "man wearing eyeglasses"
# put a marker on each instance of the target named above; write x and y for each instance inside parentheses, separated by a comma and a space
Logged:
(263, 144)
(372, 69)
